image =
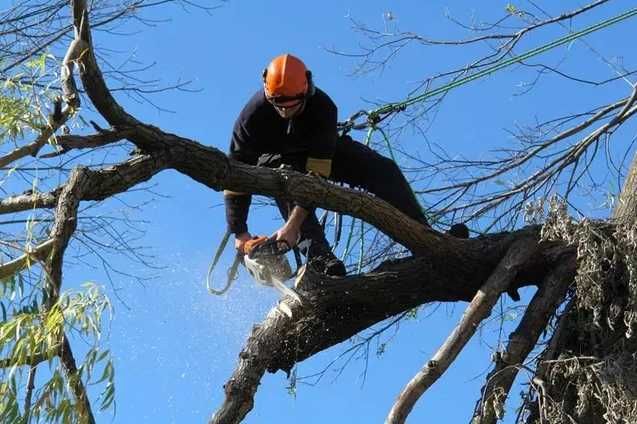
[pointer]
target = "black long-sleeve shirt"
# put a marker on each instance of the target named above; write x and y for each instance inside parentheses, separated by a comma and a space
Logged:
(306, 142)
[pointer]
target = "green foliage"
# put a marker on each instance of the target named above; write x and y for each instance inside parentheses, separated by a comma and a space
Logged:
(22, 96)
(31, 334)
(16, 115)
(9, 408)
(38, 63)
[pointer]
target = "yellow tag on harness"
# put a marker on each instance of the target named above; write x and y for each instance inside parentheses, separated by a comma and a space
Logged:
(323, 167)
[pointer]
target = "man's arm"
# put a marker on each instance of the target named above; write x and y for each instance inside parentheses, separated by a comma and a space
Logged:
(323, 137)
(237, 207)
(238, 204)
(291, 230)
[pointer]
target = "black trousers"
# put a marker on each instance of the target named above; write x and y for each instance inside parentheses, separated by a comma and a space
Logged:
(359, 166)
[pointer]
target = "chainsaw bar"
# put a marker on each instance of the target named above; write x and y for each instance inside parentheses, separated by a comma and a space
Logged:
(266, 262)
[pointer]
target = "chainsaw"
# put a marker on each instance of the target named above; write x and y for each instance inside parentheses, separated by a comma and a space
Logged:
(265, 260)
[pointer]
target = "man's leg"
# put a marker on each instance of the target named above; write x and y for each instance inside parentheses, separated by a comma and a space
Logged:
(360, 166)
(319, 253)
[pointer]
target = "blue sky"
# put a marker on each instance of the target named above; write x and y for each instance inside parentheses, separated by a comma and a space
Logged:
(174, 344)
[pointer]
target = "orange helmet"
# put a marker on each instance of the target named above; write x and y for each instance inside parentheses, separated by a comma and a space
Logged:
(286, 78)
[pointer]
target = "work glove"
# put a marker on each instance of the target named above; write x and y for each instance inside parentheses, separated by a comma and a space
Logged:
(249, 245)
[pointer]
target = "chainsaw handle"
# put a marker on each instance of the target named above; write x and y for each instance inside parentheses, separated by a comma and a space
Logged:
(269, 247)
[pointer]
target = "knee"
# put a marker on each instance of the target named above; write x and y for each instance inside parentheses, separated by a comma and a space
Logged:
(388, 168)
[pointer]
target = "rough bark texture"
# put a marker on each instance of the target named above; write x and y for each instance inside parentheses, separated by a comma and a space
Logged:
(626, 208)
(336, 309)
(63, 228)
(480, 308)
(522, 341)
(578, 339)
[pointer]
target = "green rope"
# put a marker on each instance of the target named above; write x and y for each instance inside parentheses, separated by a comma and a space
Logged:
(368, 138)
(373, 116)
(361, 255)
(349, 240)
(388, 143)
(498, 66)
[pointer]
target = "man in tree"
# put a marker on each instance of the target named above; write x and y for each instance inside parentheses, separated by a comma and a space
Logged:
(291, 122)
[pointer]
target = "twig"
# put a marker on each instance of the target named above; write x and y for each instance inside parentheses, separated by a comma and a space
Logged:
(71, 142)
(29, 393)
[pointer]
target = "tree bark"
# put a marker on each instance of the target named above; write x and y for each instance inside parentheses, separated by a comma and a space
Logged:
(480, 308)
(626, 208)
(336, 309)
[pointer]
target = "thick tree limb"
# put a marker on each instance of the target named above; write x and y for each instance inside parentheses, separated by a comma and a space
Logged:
(479, 308)
(334, 310)
(25, 202)
(212, 168)
(104, 183)
(63, 228)
(522, 341)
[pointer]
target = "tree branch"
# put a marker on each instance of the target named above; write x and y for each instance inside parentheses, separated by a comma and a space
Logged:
(479, 308)
(65, 223)
(522, 341)
(335, 309)
(71, 142)
(39, 253)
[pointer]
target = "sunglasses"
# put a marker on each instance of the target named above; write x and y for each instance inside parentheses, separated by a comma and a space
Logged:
(286, 102)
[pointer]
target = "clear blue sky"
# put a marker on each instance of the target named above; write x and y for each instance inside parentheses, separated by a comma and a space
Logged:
(175, 345)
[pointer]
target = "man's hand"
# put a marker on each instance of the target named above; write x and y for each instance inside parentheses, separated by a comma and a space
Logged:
(289, 233)
(240, 241)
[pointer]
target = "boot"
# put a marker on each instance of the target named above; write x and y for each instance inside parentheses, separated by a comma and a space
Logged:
(459, 231)
(322, 260)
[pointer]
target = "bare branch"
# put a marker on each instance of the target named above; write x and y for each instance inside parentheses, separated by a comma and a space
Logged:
(30, 386)
(522, 341)
(72, 142)
(479, 308)
(38, 253)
